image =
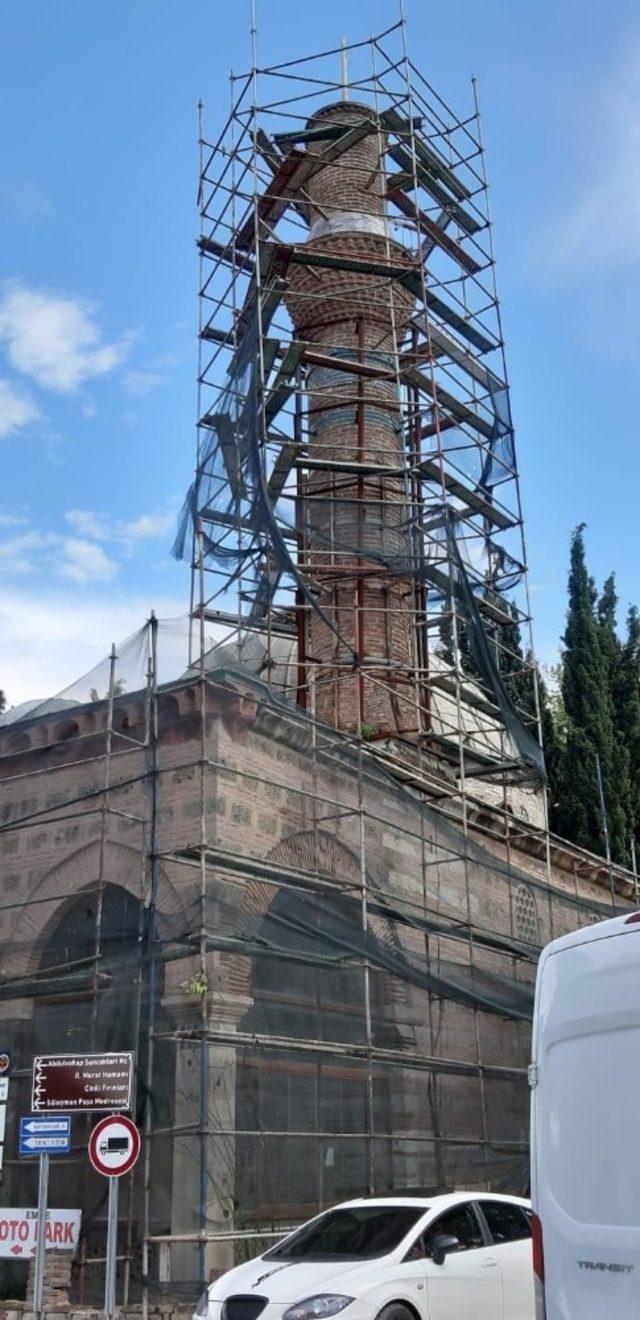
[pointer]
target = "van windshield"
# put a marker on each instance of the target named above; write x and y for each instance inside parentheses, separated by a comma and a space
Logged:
(360, 1233)
(587, 1127)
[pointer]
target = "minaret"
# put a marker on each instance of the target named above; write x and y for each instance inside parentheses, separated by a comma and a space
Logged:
(355, 525)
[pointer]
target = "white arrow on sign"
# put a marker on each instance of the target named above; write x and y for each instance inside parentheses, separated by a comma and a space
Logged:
(43, 1125)
(36, 1143)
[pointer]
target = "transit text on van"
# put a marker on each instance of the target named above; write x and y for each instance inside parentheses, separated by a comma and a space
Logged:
(612, 1266)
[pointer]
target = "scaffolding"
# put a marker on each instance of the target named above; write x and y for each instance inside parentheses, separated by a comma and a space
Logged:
(292, 850)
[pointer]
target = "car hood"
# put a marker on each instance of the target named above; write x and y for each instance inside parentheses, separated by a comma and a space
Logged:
(289, 1281)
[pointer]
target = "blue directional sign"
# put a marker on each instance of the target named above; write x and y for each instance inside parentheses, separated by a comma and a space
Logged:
(45, 1136)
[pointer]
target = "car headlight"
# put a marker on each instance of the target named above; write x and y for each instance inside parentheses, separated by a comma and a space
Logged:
(316, 1308)
(203, 1305)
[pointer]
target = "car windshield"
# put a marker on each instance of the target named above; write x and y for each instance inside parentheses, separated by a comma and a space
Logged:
(360, 1233)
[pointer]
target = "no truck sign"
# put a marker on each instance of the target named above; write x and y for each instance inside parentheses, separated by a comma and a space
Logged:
(19, 1231)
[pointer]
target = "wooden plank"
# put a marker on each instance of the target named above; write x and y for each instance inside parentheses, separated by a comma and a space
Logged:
(344, 465)
(226, 252)
(215, 336)
(465, 415)
(440, 580)
(274, 202)
(470, 695)
(232, 521)
(272, 158)
(439, 194)
(391, 120)
(223, 616)
(281, 469)
(326, 133)
(294, 171)
(359, 265)
(437, 307)
(433, 230)
(283, 386)
(351, 368)
(448, 347)
(474, 502)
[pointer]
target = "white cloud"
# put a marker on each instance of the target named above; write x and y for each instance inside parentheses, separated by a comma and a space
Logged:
(598, 230)
(99, 527)
(82, 561)
(140, 383)
(87, 523)
(149, 525)
(12, 520)
(18, 553)
(75, 558)
(17, 409)
(47, 640)
(54, 338)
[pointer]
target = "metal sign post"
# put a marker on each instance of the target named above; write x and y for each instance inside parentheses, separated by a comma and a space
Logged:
(112, 1249)
(41, 1231)
(43, 1137)
(114, 1146)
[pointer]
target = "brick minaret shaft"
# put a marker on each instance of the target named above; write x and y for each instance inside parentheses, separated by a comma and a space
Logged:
(355, 524)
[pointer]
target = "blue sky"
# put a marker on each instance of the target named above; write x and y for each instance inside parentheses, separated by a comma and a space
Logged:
(98, 283)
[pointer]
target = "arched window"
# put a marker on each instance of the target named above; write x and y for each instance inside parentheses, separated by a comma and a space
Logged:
(308, 985)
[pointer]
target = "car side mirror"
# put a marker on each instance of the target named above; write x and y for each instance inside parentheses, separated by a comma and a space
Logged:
(441, 1245)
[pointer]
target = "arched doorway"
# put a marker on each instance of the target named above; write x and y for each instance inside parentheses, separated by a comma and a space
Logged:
(90, 991)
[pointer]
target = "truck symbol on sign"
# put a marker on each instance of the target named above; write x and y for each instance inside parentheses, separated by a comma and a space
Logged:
(115, 1146)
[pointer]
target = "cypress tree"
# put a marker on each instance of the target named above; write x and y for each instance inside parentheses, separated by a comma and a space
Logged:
(618, 804)
(590, 729)
(516, 669)
(627, 706)
(467, 662)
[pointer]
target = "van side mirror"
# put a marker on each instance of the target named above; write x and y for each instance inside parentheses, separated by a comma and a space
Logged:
(441, 1245)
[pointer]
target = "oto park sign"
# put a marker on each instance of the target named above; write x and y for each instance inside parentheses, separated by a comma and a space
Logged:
(19, 1232)
(82, 1083)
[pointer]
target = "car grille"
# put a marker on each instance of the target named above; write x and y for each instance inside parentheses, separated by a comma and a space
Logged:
(243, 1308)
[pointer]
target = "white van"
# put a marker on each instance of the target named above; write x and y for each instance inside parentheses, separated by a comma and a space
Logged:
(585, 1135)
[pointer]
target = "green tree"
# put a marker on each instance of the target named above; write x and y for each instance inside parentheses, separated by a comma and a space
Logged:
(627, 707)
(619, 803)
(3, 701)
(447, 647)
(590, 725)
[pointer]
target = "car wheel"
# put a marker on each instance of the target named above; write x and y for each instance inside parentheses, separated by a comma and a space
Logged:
(395, 1311)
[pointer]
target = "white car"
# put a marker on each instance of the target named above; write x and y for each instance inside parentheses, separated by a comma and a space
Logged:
(465, 1256)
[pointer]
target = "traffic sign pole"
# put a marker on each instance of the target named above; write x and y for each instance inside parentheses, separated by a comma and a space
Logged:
(112, 1248)
(114, 1146)
(43, 1196)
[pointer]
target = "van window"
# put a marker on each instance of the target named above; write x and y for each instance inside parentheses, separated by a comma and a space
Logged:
(592, 1157)
(506, 1223)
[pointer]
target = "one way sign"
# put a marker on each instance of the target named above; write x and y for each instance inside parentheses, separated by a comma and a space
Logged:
(45, 1136)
